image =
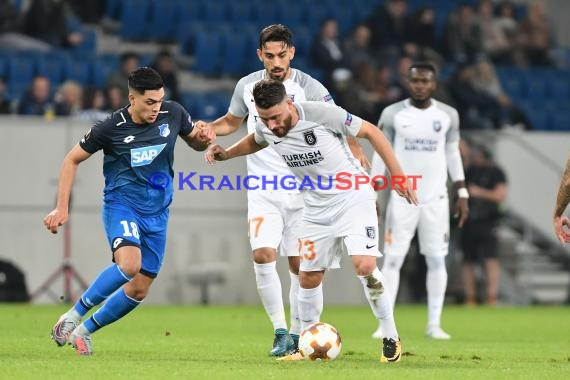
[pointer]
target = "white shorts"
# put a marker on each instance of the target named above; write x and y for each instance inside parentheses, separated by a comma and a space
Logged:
(353, 229)
(274, 220)
(431, 220)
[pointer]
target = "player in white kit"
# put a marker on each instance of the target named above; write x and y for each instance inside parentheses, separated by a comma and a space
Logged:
(424, 134)
(274, 212)
(311, 138)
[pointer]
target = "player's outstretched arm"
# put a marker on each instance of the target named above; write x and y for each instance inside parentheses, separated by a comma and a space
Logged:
(225, 125)
(201, 136)
(358, 152)
(60, 214)
(561, 223)
(243, 147)
(382, 146)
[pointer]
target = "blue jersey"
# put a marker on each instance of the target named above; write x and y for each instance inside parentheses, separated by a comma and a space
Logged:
(135, 151)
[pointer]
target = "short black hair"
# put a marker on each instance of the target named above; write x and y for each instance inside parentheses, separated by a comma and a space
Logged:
(268, 92)
(145, 78)
(423, 66)
(275, 33)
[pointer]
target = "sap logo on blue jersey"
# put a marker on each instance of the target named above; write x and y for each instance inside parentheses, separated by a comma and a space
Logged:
(164, 130)
(144, 156)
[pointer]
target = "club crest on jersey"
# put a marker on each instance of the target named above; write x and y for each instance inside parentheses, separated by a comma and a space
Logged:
(371, 232)
(310, 137)
(144, 156)
(163, 130)
(437, 125)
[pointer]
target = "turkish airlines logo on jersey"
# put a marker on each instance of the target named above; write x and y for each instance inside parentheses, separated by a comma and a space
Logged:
(310, 137)
(144, 156)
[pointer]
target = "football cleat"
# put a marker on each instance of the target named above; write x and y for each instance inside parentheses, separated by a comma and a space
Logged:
(283, 344)
(295, 338)
(292, 357)
(82, 344)
(391, 351)
(61, 331)
(435, 332)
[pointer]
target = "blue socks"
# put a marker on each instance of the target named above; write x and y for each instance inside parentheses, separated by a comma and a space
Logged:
(108, 281)
(116, 307)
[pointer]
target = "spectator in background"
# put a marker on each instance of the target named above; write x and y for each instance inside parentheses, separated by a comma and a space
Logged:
(114, 98)
(477, 110)
(485, 80)
(487, 186)
(46, 20)
(421, 39)
(506, 22)
(388, 25)
(326, 51)
(494, 42)
(5, 107)
(93, 107)
(130, 61)
(537, 35)
(357, 45)
(68, 99)
(165, 65)
(461, 39)
(89, 11)
(37, 100)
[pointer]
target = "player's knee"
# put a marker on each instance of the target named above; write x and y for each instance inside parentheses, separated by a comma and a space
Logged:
(435, 263)
(130, 268)
(264, 255)
(365, 267)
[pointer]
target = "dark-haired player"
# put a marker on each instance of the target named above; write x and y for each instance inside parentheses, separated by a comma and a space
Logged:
(138, 146)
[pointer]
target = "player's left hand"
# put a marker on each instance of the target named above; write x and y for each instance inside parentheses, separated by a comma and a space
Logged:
(407, 191)
(215, 153)
(55, 219)
(562, 229)
(361, 157)
(461, 211)
(206, 133)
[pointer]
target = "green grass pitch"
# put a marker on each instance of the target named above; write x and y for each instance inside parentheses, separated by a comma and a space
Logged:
(192, 342)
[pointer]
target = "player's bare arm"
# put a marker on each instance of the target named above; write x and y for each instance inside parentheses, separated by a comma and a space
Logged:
(384, 149)
(225, 125)
(243, 147)
(461, 209)
(67, 173)
(358, 152)
(561, 222)
(200, 137)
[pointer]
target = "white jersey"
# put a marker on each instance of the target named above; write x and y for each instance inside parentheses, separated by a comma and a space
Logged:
(299, 87)
(315, 151)
(418, 137)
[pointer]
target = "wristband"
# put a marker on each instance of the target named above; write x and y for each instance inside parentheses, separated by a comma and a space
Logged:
(463, 193)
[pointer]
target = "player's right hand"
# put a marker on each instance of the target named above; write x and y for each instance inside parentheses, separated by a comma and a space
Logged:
(407, 191)
(561, 229)
(215, 153)
(55, 219)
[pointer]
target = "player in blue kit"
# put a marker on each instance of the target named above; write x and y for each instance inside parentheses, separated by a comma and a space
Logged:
(138, 145)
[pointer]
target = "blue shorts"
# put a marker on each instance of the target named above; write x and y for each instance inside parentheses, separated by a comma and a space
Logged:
(123, 224)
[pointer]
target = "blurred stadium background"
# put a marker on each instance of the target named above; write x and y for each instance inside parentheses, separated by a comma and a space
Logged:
(213, 43)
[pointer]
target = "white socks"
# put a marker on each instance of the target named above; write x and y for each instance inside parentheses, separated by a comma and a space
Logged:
(391, 272)
(294, 304)
(269, 288)
(436, 284)
(310, 305)
(380, 302)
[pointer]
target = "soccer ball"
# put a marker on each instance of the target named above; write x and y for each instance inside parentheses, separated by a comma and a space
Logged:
(320, 341)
